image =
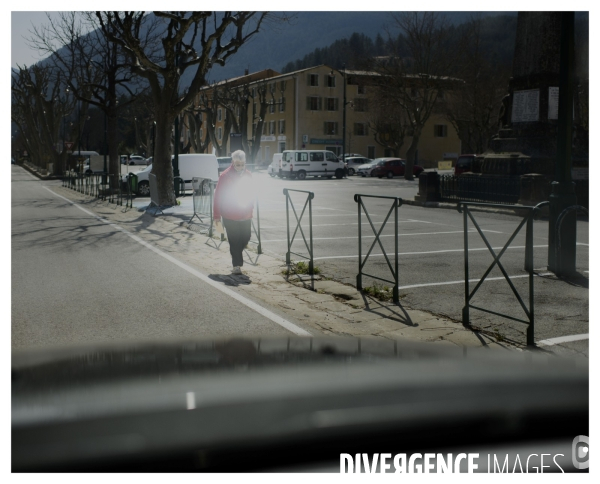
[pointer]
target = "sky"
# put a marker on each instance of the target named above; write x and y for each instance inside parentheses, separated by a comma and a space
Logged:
(21, 24)
(32, 14)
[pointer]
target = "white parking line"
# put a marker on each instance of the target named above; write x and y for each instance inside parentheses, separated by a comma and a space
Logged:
(386, 235)
(563, 339)
(423, 253)
(448, 283)
(238, 297)
(330, 225)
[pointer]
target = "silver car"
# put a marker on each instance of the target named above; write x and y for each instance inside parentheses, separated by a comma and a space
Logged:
(137, 160)
(353, 163)
(366, 169)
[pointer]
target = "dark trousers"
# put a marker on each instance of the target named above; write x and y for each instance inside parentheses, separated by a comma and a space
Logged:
(238, 235)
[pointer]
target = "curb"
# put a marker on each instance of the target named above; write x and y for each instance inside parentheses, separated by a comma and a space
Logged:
(38, 175)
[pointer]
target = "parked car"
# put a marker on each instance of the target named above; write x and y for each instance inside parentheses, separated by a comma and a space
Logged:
(149, 161)
(351, 155)
(191, 165)
(355, 162)
(464, 164)
(137, 160)
(367, 168)
(224, 163)
(392, 167)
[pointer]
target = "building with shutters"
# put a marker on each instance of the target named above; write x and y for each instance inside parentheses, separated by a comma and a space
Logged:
(306, 112)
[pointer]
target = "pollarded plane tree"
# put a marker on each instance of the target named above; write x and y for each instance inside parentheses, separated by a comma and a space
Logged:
(184, 40)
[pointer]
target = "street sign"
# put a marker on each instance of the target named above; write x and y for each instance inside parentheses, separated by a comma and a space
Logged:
(69, 146)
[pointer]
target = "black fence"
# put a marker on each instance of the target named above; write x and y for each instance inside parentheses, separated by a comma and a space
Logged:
(480, 188)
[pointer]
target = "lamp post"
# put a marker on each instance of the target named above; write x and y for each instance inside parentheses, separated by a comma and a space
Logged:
(79, 126)
(562, 239)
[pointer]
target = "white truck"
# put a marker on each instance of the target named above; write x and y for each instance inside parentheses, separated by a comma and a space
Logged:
(95, 164)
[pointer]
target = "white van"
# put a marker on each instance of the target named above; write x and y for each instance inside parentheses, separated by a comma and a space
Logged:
(196, 165)
(302, 163)
(275, 165)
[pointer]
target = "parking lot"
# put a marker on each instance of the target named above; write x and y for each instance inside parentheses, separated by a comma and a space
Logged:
(430, 253)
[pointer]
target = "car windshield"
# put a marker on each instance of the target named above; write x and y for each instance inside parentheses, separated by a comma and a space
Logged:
(294, 316)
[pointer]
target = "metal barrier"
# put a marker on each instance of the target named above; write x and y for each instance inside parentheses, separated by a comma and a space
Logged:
(179, 186)
(288, 202)
(130, 193)
(397, 203)
(529, 312)
(256, 228)
(203, 190)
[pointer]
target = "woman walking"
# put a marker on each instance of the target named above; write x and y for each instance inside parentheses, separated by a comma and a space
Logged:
(234, 202)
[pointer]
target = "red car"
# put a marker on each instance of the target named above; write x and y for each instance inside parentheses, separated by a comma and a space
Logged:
(392, 167)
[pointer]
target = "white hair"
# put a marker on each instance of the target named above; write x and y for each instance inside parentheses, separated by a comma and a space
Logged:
(238, 155)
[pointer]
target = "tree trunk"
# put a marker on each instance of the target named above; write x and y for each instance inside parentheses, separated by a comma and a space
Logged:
(410, 156)
(161, 164)
(114, 163)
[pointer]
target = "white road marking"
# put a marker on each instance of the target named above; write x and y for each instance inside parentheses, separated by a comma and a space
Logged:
(563, 339)
(471, 280)
(423, 253)
(238, 297)
(330, 225)
(387, 235)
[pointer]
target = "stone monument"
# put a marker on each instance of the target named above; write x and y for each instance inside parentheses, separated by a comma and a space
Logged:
(535, 140)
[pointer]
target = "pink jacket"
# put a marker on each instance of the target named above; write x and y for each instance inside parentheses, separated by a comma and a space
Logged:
(234, 195)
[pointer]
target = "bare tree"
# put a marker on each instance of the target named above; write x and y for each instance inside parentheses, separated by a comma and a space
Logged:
(388, 125)
(474, 102)
(185, 40)
(414, 76)
(96, 68)
(39, 109)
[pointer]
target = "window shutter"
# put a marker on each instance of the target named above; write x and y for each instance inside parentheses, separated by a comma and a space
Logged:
(319, 103)
(308, 103)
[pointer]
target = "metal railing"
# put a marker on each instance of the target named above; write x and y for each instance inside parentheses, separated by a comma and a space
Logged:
(480, 188)
(203, 190)
(290, 241)
(463, 207)
(358, 198)
(256, 228)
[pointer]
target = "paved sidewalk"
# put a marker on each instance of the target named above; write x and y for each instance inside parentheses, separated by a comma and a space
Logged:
(319, 305)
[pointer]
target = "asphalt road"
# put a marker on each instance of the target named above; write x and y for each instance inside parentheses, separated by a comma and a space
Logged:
(78, 280)
(430, 253)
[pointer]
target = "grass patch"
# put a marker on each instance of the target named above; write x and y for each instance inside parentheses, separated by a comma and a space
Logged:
(498, 335)
(378, 291)
(300, 268)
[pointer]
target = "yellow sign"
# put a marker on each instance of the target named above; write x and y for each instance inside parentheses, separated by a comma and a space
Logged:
(444, 165)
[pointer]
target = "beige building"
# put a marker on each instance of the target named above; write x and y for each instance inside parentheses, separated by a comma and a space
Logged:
(307, 113)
